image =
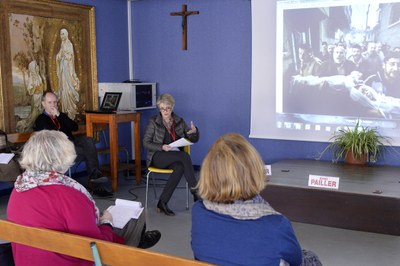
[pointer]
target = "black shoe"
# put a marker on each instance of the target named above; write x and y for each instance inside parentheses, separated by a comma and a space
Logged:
(102, 192)
(163, 207)
(194, 193)
(195, 197)
(99, 179)
(149, 239)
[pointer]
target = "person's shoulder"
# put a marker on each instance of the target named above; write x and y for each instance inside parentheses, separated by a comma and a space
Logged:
(63, 115)
(40, 122)
(198, 207)
(155, 119)
(64, 118)
(349, 62)
(277, 220)
(60, 188)
(177, 118)
(327, 63)
(63, 193)
(200, 214)
(41, 116)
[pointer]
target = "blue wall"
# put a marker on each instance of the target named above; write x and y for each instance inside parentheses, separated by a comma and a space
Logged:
(211, 81)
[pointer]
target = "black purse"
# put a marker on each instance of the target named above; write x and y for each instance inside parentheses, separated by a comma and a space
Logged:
(4, 144)
(8, 172)
(6, 256)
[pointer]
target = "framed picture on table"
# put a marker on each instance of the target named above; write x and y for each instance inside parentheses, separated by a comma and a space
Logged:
(111, 101)
(45, 46)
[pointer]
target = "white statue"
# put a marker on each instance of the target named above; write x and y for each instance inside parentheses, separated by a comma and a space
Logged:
(68, 82)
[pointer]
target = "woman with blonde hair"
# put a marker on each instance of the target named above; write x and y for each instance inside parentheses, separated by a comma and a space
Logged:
(233, 224)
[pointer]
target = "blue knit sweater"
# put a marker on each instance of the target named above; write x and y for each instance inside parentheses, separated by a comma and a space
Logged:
(224, 240)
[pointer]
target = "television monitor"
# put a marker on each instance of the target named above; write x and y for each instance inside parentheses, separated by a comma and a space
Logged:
(135, 96)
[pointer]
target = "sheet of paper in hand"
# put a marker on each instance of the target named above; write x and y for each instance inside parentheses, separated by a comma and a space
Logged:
(180, 143)
(124, 210)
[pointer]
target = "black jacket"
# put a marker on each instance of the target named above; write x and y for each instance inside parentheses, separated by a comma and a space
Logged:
(43, 121)
(153, 138)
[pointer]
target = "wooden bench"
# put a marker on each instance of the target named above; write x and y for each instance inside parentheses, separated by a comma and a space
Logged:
(79, 247)
(18, 138)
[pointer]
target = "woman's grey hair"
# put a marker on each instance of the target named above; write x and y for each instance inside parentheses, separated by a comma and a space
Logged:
(166, 98)
(48, 150)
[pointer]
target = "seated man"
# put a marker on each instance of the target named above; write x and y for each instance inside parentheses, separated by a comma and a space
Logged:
(53, 119)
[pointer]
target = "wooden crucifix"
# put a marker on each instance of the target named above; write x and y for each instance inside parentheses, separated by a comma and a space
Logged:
(184, 14)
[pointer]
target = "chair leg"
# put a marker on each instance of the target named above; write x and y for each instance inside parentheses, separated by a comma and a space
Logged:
(147, 189)
(127, 163)
(187, 196)
(154, 186)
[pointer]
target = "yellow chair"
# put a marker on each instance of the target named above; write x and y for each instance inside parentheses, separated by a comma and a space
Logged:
(153, 169)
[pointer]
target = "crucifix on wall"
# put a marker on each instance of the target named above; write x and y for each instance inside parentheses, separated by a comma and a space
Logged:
(184, 14)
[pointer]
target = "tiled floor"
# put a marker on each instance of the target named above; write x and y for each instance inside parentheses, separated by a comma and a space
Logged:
(335, 247)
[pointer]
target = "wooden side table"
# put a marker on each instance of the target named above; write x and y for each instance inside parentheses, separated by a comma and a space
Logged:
(112, 120)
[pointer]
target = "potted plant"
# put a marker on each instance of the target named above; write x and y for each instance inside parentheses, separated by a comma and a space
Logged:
(357, 145)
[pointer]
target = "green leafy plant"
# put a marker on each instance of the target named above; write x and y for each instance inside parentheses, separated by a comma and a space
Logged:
(360, 141)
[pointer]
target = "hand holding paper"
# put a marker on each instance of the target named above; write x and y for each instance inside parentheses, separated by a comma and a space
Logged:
(124, 210)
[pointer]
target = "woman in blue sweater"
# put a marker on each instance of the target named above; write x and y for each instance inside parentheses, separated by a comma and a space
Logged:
(233, 225)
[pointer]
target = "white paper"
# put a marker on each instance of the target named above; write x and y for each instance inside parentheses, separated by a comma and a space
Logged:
(5, 158)
(267, 168)
(124, 210)
(180, 143)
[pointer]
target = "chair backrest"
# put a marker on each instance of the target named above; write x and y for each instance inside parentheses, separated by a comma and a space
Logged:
(24, 136)
(187, 149)
(79, 247)
(4, 147)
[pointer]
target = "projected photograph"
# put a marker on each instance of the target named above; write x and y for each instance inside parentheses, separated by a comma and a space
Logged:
(338, 61)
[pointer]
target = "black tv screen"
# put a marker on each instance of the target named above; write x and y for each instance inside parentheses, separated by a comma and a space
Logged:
(144, 95)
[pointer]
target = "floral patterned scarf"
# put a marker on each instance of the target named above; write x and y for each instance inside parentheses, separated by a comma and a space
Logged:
(243, 210)
(30, 179)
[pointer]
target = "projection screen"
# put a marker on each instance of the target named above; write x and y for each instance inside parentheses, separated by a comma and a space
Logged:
(318, 66)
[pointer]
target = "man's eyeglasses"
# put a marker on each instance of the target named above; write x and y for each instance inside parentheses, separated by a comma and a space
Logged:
(166, 109)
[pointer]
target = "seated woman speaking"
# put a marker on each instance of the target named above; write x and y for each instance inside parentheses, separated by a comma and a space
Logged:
(44, 197)
(233, 225)
(163, 129)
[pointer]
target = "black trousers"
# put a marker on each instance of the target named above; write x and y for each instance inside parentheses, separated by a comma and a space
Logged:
(181, 164)
(133, 231)
(6, 256)
(86, 150)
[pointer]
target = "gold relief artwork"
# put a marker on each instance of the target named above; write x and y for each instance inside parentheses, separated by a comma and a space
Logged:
(45, 46)
(45, 57)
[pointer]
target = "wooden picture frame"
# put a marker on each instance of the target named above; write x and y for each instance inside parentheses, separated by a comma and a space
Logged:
(45, 45)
